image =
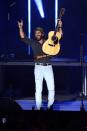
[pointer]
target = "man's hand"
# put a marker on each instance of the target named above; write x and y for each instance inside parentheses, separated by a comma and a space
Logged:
(60, 26)
(59, 23)
(21, 32)
(20, 24)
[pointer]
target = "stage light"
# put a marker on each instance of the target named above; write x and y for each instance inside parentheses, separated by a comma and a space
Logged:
(56, 12)
(29, 22)
(40, 7)
(85, 84)
(29, 18)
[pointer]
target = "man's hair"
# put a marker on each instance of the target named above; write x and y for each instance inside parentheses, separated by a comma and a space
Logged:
(39, 29)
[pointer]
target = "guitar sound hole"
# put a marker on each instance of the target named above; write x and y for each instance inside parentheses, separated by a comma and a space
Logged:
(55, 39)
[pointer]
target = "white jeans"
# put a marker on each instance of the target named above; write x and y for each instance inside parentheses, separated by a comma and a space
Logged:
(44, 72)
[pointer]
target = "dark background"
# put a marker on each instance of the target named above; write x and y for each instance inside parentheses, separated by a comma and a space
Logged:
(19, 81)
(74, 26)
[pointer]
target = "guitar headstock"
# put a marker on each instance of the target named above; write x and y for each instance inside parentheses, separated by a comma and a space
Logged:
(62, 12)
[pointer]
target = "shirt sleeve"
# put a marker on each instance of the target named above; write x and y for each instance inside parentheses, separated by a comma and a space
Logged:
(27, 40)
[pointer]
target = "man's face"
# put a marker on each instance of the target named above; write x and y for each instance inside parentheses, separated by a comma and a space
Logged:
(38, 35)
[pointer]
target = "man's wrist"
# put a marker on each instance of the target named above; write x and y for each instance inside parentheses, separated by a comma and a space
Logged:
(60, 28)
(20, 28)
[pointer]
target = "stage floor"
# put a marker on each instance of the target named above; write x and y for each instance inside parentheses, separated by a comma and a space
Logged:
(62, 103)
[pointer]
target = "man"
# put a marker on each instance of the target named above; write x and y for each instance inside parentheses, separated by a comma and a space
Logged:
(43, 68)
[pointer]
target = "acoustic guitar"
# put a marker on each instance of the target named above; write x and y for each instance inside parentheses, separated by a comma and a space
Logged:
(52, 46)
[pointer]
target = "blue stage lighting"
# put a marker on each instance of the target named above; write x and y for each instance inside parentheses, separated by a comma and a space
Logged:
(29, 18)
(29, 22)
(56, 12)
(40, 7)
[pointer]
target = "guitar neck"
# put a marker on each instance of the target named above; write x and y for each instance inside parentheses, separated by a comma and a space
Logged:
(56, 29)
(60, 17)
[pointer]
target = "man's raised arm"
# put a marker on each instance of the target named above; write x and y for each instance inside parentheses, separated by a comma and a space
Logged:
(22, 34)
(20, 26)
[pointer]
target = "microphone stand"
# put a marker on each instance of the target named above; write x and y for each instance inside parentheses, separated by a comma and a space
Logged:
(82, 94)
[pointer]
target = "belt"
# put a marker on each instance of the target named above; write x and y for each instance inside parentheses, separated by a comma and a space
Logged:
(43, 64)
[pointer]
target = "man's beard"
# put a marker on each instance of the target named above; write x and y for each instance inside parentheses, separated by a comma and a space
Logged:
(38, 38)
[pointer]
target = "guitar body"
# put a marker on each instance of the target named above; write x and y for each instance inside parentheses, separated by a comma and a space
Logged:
(51, 47)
